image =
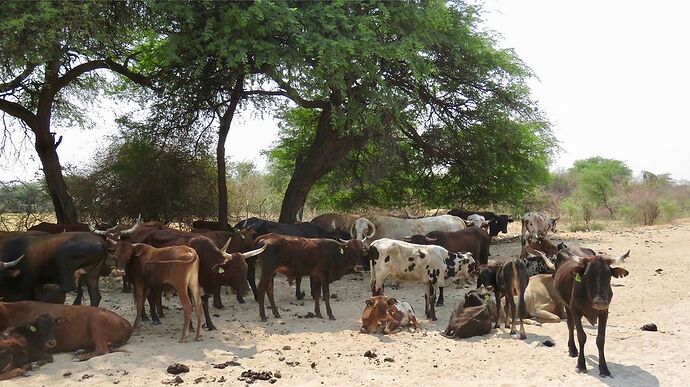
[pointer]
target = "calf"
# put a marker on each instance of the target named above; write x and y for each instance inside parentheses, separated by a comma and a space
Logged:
(150, 267)
(432, 266)
(535, 226)
(323, 260)
(583, 285)
(506, 280)
(473, 318)
(387, 315)
(77, 327)
(541, 301)
(24, 344)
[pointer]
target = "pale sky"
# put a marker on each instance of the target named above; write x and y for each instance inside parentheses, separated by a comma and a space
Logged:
(612, 78)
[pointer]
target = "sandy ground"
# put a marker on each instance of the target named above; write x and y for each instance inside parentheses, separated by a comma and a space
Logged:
(310, 351)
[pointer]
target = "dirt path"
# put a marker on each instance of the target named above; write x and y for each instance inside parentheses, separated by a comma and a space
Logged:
(310, 351)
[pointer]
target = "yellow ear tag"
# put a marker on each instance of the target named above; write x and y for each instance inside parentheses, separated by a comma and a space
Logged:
(220, 270)
(486, 299)
(578, 278)
(342, 251)
(32, 328)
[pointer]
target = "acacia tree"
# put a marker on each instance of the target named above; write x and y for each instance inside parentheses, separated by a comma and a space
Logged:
(422, 79)
(50, 52)
(598, 178)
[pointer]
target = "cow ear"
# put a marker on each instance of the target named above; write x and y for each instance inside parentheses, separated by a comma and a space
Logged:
(577, 271)
(218, 269)
(619, 272)
(60, 320)
(137, 250)
(369, 302)
(12, 273)
(392, 301)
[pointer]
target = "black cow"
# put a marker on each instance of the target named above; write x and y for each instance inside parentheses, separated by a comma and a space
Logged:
(304, 230)
(52, 259)
(497, 223)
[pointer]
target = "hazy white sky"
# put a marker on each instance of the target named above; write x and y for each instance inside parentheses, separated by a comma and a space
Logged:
(613, 78)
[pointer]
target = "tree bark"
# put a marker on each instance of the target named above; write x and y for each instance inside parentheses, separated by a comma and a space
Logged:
(223, 130)
(325, 152)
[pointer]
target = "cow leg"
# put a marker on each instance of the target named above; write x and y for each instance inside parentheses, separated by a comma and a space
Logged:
(217, 301)
(572, 350)
(92, 289)
(497, 295)
(298, 283)
(80, 292)
(439, 302)
(510, 308)
(581, 340)
(327, 298)
(126, 285)
(263, 285)
(601, 340)
(543, 315)
(186, 309)
(153, 310)
(251, 278)
(315, 285)
(271, 299)
(139, 296)
(430, 300)
(196, 303)
(207, 315)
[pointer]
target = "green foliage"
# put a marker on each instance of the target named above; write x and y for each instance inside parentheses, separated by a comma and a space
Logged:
(135, 174)
(250, 192)
(585, 227)
(598, 178)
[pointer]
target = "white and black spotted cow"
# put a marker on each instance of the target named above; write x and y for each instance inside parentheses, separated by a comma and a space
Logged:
(431, 265)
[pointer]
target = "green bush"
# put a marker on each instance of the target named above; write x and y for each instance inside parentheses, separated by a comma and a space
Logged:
(584, 227)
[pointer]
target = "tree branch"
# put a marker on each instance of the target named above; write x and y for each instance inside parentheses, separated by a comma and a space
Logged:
(83, 68)
(18, 111)
(5, 87)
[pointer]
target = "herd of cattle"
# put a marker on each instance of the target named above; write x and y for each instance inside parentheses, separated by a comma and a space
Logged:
(40, 266)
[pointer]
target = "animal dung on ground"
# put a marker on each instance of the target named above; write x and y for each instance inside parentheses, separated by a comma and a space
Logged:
(369, 354)
(549, 343)
(177, 368)
(649, 327)
(222, 366)
(250, 376)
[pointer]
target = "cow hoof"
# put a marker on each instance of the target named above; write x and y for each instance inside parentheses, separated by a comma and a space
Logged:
(605, 373)
(156, 322)
(439, 304)
(144, 318)
(581, 370)
(512, 332)
(199, 338)
(276, 315)
(573, 353)
(434, 318)
(300, 296)
(241, 300)
(182, 341)
(331, 317)
(219, 306)
(319, 315)
(211, 327)
(264, 319)
(523, 336)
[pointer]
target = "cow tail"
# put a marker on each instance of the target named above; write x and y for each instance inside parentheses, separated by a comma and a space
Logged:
(373, 257)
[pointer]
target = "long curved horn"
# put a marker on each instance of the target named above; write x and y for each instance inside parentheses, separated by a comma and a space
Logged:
(132, 229)
(252, 253)
(341, 240)
(547, 261)
(226, 245)
(9, 265)
(619, 259)
(373, 229)
(93, 229)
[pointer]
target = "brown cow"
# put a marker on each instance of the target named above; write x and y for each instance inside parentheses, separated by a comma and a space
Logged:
(24, 344)
(583, 285)
(507, 280)
(323, 260)
(78, 327)
(150, 267)
(387, 315)
(472, 318)
(333, 221)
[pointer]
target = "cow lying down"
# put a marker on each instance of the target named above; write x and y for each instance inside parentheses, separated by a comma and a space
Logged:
(472, 318)
(24, 344)
(77, 327)
(387, 315)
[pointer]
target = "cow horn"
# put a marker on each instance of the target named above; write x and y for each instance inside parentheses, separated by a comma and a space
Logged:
(93, 229)
(431, 240)
(547, 261)
(341, 240)
(226, 245)
(252, 253)
(111, 242)
(619, 259)
(373, 229)
(406, 239)
(9, 265)
(134, 228)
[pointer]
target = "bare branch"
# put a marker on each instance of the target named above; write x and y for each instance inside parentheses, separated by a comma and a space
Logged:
(18, 111)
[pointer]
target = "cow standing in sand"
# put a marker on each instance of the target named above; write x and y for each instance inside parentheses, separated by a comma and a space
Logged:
(535, 226)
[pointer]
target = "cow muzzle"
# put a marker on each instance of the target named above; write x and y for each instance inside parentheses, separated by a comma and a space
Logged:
(600, 304)
(358, 269)
(51, 343)
(117, 273)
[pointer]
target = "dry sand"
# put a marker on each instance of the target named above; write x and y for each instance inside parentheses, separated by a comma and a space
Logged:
(310, 351)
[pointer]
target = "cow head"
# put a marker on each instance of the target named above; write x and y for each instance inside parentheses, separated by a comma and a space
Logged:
(233, 270)
(243, 240)
(476, 221)
(473, 298)
(125, 234)
(124, 251)
(355, 252)
(362, 229)
(552, 224)
(459, 265)
(499, 224)
(486, 276)
(594, 273)
(378, 312)
(40, 332)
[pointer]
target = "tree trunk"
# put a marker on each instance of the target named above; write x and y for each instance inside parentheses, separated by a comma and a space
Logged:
(325, 152)
(65, 211)
(223, 130)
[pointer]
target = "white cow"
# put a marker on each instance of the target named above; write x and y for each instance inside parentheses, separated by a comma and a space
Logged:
(430, 265)
(377, 227)
(477, 220)
(535, 226)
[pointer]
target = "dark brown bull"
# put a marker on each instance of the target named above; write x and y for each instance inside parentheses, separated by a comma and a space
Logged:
(52, 258)
(507, 280)
(24, 344)
(472, 239)
(323, 260)
(97, 330)
(583, 285)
